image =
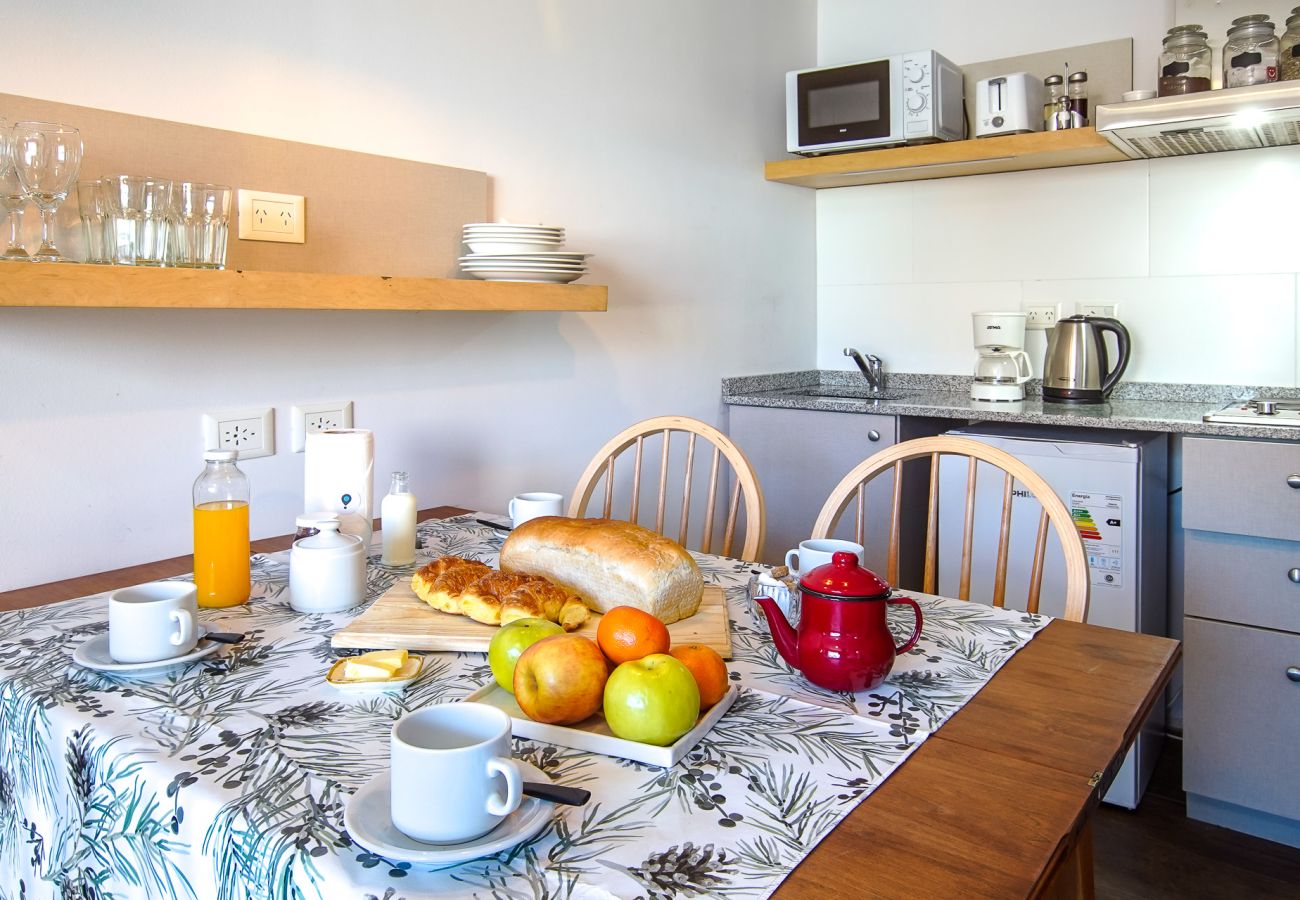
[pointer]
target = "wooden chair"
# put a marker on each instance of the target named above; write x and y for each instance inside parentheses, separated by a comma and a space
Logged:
(854, 487)
(745, 484)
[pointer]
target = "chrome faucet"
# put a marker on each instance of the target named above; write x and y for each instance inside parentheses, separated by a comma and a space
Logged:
(872, 369)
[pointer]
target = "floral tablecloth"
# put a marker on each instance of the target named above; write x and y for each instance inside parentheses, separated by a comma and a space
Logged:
(228, 777)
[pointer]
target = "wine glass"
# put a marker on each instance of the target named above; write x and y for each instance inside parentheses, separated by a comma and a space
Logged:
(12, 196)
(47, 157)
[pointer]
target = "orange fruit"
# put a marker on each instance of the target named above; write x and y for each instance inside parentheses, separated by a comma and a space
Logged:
(708, 668)
(626, 633)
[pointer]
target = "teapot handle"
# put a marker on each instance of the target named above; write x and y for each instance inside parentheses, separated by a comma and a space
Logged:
(916, 632)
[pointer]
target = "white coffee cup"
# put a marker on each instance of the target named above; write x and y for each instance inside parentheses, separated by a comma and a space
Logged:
(151, 622)
(447, 769)
(537, 503)
(818, 552)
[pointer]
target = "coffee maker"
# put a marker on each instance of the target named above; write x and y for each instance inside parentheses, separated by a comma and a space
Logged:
(1001, 366)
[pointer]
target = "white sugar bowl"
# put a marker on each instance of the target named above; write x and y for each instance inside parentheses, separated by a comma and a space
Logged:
(327, 571)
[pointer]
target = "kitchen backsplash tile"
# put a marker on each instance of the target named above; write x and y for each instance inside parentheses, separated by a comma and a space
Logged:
(1083, 222)
(865, 235)
(1190, 248)
(1224, 213)
(912, 327)
(1191, 329)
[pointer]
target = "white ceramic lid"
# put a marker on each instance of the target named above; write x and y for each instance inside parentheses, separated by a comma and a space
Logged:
(328, 541)
(313, 519)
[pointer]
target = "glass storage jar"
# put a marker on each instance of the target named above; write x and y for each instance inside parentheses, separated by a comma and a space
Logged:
(1250, 55)
(1186, 61)
(1289, 68)
(1077, 99)
(1056, 109)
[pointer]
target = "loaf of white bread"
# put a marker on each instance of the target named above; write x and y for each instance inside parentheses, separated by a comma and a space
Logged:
(608, 564)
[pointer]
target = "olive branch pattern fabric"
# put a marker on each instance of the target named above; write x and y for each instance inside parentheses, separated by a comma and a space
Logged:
(227, 778)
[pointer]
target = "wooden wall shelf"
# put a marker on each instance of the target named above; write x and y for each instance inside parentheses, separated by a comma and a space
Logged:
(131, 287)
(1012, 153)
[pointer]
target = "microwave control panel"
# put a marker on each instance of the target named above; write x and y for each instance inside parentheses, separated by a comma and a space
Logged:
(917, 120)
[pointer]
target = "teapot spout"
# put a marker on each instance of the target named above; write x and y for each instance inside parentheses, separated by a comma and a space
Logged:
(783, 635)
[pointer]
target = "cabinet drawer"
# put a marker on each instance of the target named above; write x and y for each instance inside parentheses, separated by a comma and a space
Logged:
(1241, 716)
(1241, 579)
(1240, 487)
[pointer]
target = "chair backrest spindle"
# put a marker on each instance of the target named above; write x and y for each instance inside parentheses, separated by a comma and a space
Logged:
(1004, 545)
(968, 532)
(686, 491)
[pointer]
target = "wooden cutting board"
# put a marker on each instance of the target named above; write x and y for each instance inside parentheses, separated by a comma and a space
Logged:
(399, 620)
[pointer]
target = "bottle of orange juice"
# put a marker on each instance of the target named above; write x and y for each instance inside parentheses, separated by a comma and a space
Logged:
(221, 547)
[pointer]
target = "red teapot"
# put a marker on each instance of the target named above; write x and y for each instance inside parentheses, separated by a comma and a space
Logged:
(843, 642)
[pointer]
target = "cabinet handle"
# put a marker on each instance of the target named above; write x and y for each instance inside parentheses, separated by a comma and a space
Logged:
(1293, 672)
(874, 435)
(1293, 482)
(1294, 575)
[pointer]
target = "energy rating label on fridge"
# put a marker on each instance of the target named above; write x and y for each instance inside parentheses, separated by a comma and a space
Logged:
(1098, 519)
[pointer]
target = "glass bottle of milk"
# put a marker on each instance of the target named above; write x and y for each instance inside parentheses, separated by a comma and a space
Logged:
(398, 532)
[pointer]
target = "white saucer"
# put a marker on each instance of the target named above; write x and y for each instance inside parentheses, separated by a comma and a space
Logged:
(93, 654)
(369, 822)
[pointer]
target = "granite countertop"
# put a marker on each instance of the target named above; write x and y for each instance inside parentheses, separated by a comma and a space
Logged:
(1136, 406)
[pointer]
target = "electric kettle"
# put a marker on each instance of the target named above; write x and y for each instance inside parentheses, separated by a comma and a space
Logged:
(1077, 366)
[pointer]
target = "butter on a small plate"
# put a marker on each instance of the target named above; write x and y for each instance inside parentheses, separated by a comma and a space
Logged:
(404, 675)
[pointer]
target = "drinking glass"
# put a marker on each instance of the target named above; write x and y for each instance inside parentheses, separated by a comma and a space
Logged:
(90, 204)
(47, 156)
(154, 225)
(123, 205)
(12, 196)
(202, 224)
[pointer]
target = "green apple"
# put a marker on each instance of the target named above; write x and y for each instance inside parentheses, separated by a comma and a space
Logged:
(510, 641)
(654, 700)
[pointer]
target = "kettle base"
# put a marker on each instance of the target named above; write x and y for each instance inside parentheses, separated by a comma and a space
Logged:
(1073, 395)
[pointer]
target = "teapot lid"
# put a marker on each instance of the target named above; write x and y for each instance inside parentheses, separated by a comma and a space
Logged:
(843, 579)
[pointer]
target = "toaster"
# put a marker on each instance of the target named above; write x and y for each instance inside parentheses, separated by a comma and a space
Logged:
(1008, 104)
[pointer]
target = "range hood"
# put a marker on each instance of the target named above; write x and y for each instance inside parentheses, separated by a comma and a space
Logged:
(1259, 115)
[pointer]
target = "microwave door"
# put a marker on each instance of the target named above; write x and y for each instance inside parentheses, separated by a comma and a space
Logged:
(847, 103)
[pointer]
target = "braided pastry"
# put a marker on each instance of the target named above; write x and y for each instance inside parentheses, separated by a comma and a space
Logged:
(467, 587)
(539, 598)
(441, 582)
(481, 601)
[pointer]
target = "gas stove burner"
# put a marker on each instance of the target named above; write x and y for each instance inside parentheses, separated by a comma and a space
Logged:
(1261, 411)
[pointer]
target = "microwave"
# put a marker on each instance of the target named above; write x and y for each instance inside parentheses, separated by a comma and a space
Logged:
(915, 98)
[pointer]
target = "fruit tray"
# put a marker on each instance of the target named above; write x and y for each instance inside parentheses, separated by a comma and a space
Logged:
(594, 735)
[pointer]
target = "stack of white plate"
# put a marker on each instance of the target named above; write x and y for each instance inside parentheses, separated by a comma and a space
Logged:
(500, 252)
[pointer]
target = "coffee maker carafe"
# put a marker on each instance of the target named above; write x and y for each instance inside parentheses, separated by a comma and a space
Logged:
(1001, 366)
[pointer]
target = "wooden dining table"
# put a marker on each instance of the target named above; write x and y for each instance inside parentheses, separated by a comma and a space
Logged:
(997, 803)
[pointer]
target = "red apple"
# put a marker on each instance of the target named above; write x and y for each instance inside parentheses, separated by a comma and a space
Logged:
(560, 680)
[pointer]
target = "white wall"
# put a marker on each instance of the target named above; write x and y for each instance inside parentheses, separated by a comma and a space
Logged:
(1195, 251)
(640, 127)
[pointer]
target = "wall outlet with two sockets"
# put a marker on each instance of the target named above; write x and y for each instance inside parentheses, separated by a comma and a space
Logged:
(1043, 318)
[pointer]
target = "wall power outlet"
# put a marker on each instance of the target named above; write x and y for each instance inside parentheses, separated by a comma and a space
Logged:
(309, 417)
(1040, 318)
(250, 431)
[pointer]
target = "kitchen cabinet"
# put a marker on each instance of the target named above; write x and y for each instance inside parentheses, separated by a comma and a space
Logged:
(800, 455)
(138, 287)
(950, 159)
(1241, 595)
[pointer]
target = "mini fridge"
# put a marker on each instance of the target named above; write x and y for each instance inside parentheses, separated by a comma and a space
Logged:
(1116, 487)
